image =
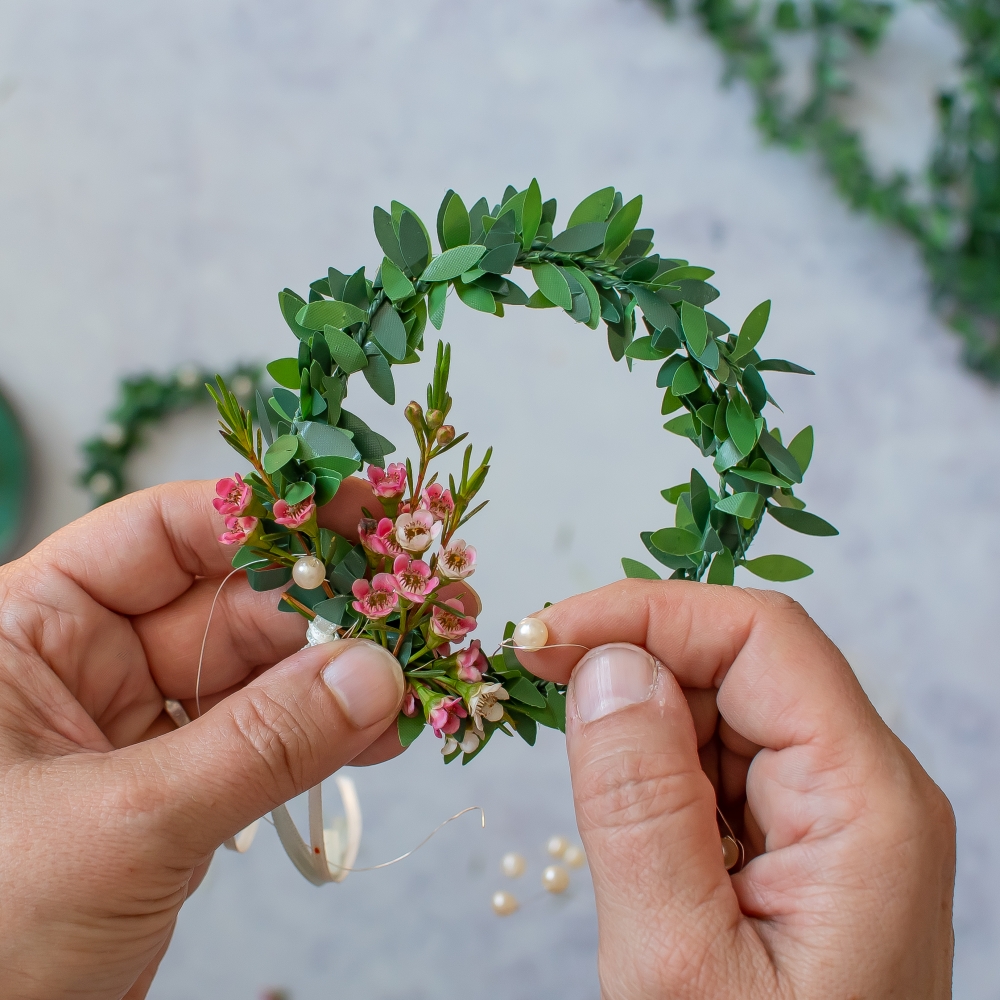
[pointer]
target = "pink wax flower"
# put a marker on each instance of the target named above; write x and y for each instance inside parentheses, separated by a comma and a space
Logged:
(237, 529)
(234, 495)
(387, 482)
(376, 599)
(472, 663)
(410, 702)
(445, 715)
(379, 537)
(457, 561)
(413, 578)
(438, 501)
(452, 625)
(293, 515)
(416, 532)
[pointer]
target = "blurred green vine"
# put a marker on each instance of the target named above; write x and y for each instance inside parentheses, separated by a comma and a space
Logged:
(958, 225)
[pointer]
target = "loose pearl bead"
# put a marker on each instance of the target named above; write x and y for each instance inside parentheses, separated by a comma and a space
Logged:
(555, 879)
(574, 856)
(308, 572)
(504, 904)
(730, 852)
(531, 634)
(557, 846)
(512, 865)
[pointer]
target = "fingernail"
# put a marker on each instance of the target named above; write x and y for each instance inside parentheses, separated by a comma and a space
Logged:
(367, 681)
(612, 677)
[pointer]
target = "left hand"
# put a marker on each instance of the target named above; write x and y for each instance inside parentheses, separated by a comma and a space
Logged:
(110, 814)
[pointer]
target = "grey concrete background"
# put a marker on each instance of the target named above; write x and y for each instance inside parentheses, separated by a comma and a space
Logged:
(165, 168)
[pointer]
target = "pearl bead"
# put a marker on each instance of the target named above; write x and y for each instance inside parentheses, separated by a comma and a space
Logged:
(309, 572)
(555, 879)
(513, 865)
(730, 852)
(574, 856)
(504, 904)
(557, 846)
(531, 634)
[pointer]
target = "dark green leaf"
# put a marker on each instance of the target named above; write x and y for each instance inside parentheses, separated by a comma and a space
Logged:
(779, 569)
(676, 541)
(723, 569)
(740, 423)
(781, 459)
(676, 274)
(752, 329)
(345, 350)
(531, 214)
(777, 365)
(620, 228)
(760, 476)
(408, 729)
(525, 727)
(500, 260)
(635, 570)
(665, 376)
(802, 521)
(436, 299)
(695, 327)
(579, 238)
(524, 691)
(655, 307)
(290, 304)
(385, 233)
(413, 243)
(389, 332)
(701, 500)
(379, 377)
(553, 285)
(268, 579)
(753, 386)
(284, 403)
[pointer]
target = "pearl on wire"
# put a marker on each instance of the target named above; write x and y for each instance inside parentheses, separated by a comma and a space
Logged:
(309, 572)
(530, 634)
(513, 865)
(574, 856)
(504, 903)
(555, 879)
(730, 852)
(557, 846)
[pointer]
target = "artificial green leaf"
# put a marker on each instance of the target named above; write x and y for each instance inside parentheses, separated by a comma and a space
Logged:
(709, 358)
(665, 558)
(780, 458)
(524, 691)
(727, 455)
(695, 327)
(800, 447)
(316, 315)
(290, 304)
(345, 350)
(723, 569)
(436, 299)
(337, 281)
(620, 228)
(594, 208)
(531, 214)
(802, 521)
(701, 500)
(665, 376)
(500, 260)
(579, 239)
(385, 233)
(553, 285)
(670, 402)
(280, 453)
(686, 380)
(325, 441)
(740, 423)
(408, 729)
(476, 297)
(371, 445)
(682, 425)
(753, 386)
(779, 569)
(676, 274)
(396, 284)
(389, 332)
(379, 377)
(760, 476)
(285, 371)
(752, 330)
(450, 264)
(525, 727)
(746, 505)
(635, 570)
(269, 578)
(657, 310)
(413, 242)
(777, 365)
(456, 229)
(674, 494)
(676, 541)
(641, 349)
(593, 299)
(332, 610)
(356, 290)
(298, 492)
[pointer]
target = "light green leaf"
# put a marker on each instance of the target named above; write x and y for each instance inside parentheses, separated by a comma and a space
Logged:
(635, 570)
(345, 350)
(553, 285)
(594, 208)
(408, 729)
(539, 301)
(802, 521)
(280, 453)
(800, 447)
(450, 264)
(680, 273)
(436, 299)
(723, 569)
(285, 371)
(396, 284)
(620, 228)
(341, 315)
(727, 455)
(685, 380)
(476, 297)
(643, 350)
(682, 425)
(779, 569)
(531, 214)
(760, 476)
(657, 310)
(290, 304)
(676, 541)
(590, 291)
(389, 332)
(740, 423)
(752, 330)
(455, 226)
(328, 442)
(695, 327)
(746, 505)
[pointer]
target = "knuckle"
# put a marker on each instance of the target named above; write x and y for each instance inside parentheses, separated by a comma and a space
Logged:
(274, 736)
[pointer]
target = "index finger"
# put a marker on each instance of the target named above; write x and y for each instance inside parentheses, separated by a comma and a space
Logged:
(781, 681)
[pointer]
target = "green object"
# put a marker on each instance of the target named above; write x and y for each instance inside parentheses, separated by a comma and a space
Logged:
(955, 222)
(145, 401)
(15, 480)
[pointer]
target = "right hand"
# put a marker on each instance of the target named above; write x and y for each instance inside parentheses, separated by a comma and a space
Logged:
(848, 890)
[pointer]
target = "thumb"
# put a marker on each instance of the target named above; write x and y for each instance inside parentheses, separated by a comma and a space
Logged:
(283, 733)
(646, 813)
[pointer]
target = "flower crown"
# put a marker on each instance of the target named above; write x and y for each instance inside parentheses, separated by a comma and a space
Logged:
(405, 583)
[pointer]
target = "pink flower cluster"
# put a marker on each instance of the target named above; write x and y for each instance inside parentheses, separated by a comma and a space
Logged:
(446, 715)
(388, 482)
(233, 496)
(238, 529)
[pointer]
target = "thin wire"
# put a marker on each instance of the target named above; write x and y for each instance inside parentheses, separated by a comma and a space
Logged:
(204, 640)
(402, 857)
(510, 644)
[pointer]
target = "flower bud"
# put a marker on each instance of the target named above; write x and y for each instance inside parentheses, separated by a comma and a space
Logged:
(414, 413)
(445, 434)
(435, 418)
